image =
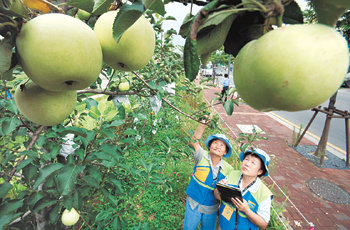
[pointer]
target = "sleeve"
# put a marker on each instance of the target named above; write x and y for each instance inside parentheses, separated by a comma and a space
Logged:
(264, 209)
(199, 155)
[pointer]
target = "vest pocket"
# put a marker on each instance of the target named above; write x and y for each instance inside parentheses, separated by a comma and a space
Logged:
(202, 173)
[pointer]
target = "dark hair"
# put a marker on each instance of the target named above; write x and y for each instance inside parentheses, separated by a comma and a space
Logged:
(209, 144)
(262, 165)
(225, 75)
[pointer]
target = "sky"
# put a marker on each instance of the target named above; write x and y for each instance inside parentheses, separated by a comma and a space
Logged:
(179, 11)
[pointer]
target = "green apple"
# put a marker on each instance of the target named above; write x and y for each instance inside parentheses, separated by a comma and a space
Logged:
(292, 68)
(42, 106)
(70, 218)
(127, 107)
(82, 14)
(59, 52)
(124, 86)
(134, 49)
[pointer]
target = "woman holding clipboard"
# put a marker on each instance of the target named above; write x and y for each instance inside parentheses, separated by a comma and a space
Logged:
(254, 211)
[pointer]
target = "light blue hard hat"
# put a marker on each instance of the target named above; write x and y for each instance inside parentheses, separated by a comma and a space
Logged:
(262, 155)
(224, 139)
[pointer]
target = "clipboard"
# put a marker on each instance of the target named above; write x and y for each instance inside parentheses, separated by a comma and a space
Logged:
(226, 192)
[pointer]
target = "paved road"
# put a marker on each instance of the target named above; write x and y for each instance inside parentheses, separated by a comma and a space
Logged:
(337, 129)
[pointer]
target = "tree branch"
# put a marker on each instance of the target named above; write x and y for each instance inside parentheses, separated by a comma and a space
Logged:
(35, 137)
(196, 2)
(101, 91)
(166, 101)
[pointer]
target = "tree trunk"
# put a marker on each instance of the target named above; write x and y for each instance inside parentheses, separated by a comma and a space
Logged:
(41, 219)
(322, 144)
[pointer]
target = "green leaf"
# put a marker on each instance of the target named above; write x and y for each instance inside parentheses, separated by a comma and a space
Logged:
(91, 181)
(130, 131)
(74, 130)
(94, 113)
(86, 5)
(45, 172)
(90, 135)
(9, 125)
(93, 171)
(115, 123)
(212, 34)
(239, 139)
(29, 172)
(34, 198)
(41, 140)
(191, 60)
(4, 189)
(8, 75)
(14, 8)
(216, 18)
(293, 14)
(328, 12)
(155, 5)
(23, 164)
(10, 206)
(68, 202)
(8, 105)
(99, 156)
(6, 219)
(5, 54)
(43, 203)
(126, 17)
(109, 197)
(228, 106)
(66, 178)
(101, 6)
(90, 103)
(244, 28)
(140, 116)
(54, 213)
(118, 184)
(185, 27)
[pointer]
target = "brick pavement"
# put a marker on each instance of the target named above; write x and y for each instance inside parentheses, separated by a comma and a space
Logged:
(290, 170)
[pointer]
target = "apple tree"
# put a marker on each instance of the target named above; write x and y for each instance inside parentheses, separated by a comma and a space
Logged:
(76, 162)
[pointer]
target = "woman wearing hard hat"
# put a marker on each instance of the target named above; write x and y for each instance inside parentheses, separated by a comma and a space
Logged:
(201, 205)
(253, 211)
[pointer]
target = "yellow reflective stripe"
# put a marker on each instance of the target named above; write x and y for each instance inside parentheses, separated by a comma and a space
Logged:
(202, 184)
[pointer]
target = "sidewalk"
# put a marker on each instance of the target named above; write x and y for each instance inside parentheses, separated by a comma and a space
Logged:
(292, 172)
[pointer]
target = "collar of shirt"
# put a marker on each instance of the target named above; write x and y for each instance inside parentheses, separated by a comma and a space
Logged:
(220, 164)
(215, 169)
(252, 188)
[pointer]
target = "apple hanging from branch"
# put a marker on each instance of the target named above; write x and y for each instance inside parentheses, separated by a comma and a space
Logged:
(134, 49)
(292, 68)
(42, 106)
(70, 218)
(59, 52)
(124, 86)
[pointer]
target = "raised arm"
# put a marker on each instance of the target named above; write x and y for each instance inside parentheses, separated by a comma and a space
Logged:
(197, 136)
(199, 133)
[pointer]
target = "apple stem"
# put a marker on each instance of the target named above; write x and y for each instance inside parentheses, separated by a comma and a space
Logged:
(261, 6)
(279, 10)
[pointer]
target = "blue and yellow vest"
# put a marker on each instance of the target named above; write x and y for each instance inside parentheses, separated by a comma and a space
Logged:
(227, 216)
(202, 183)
